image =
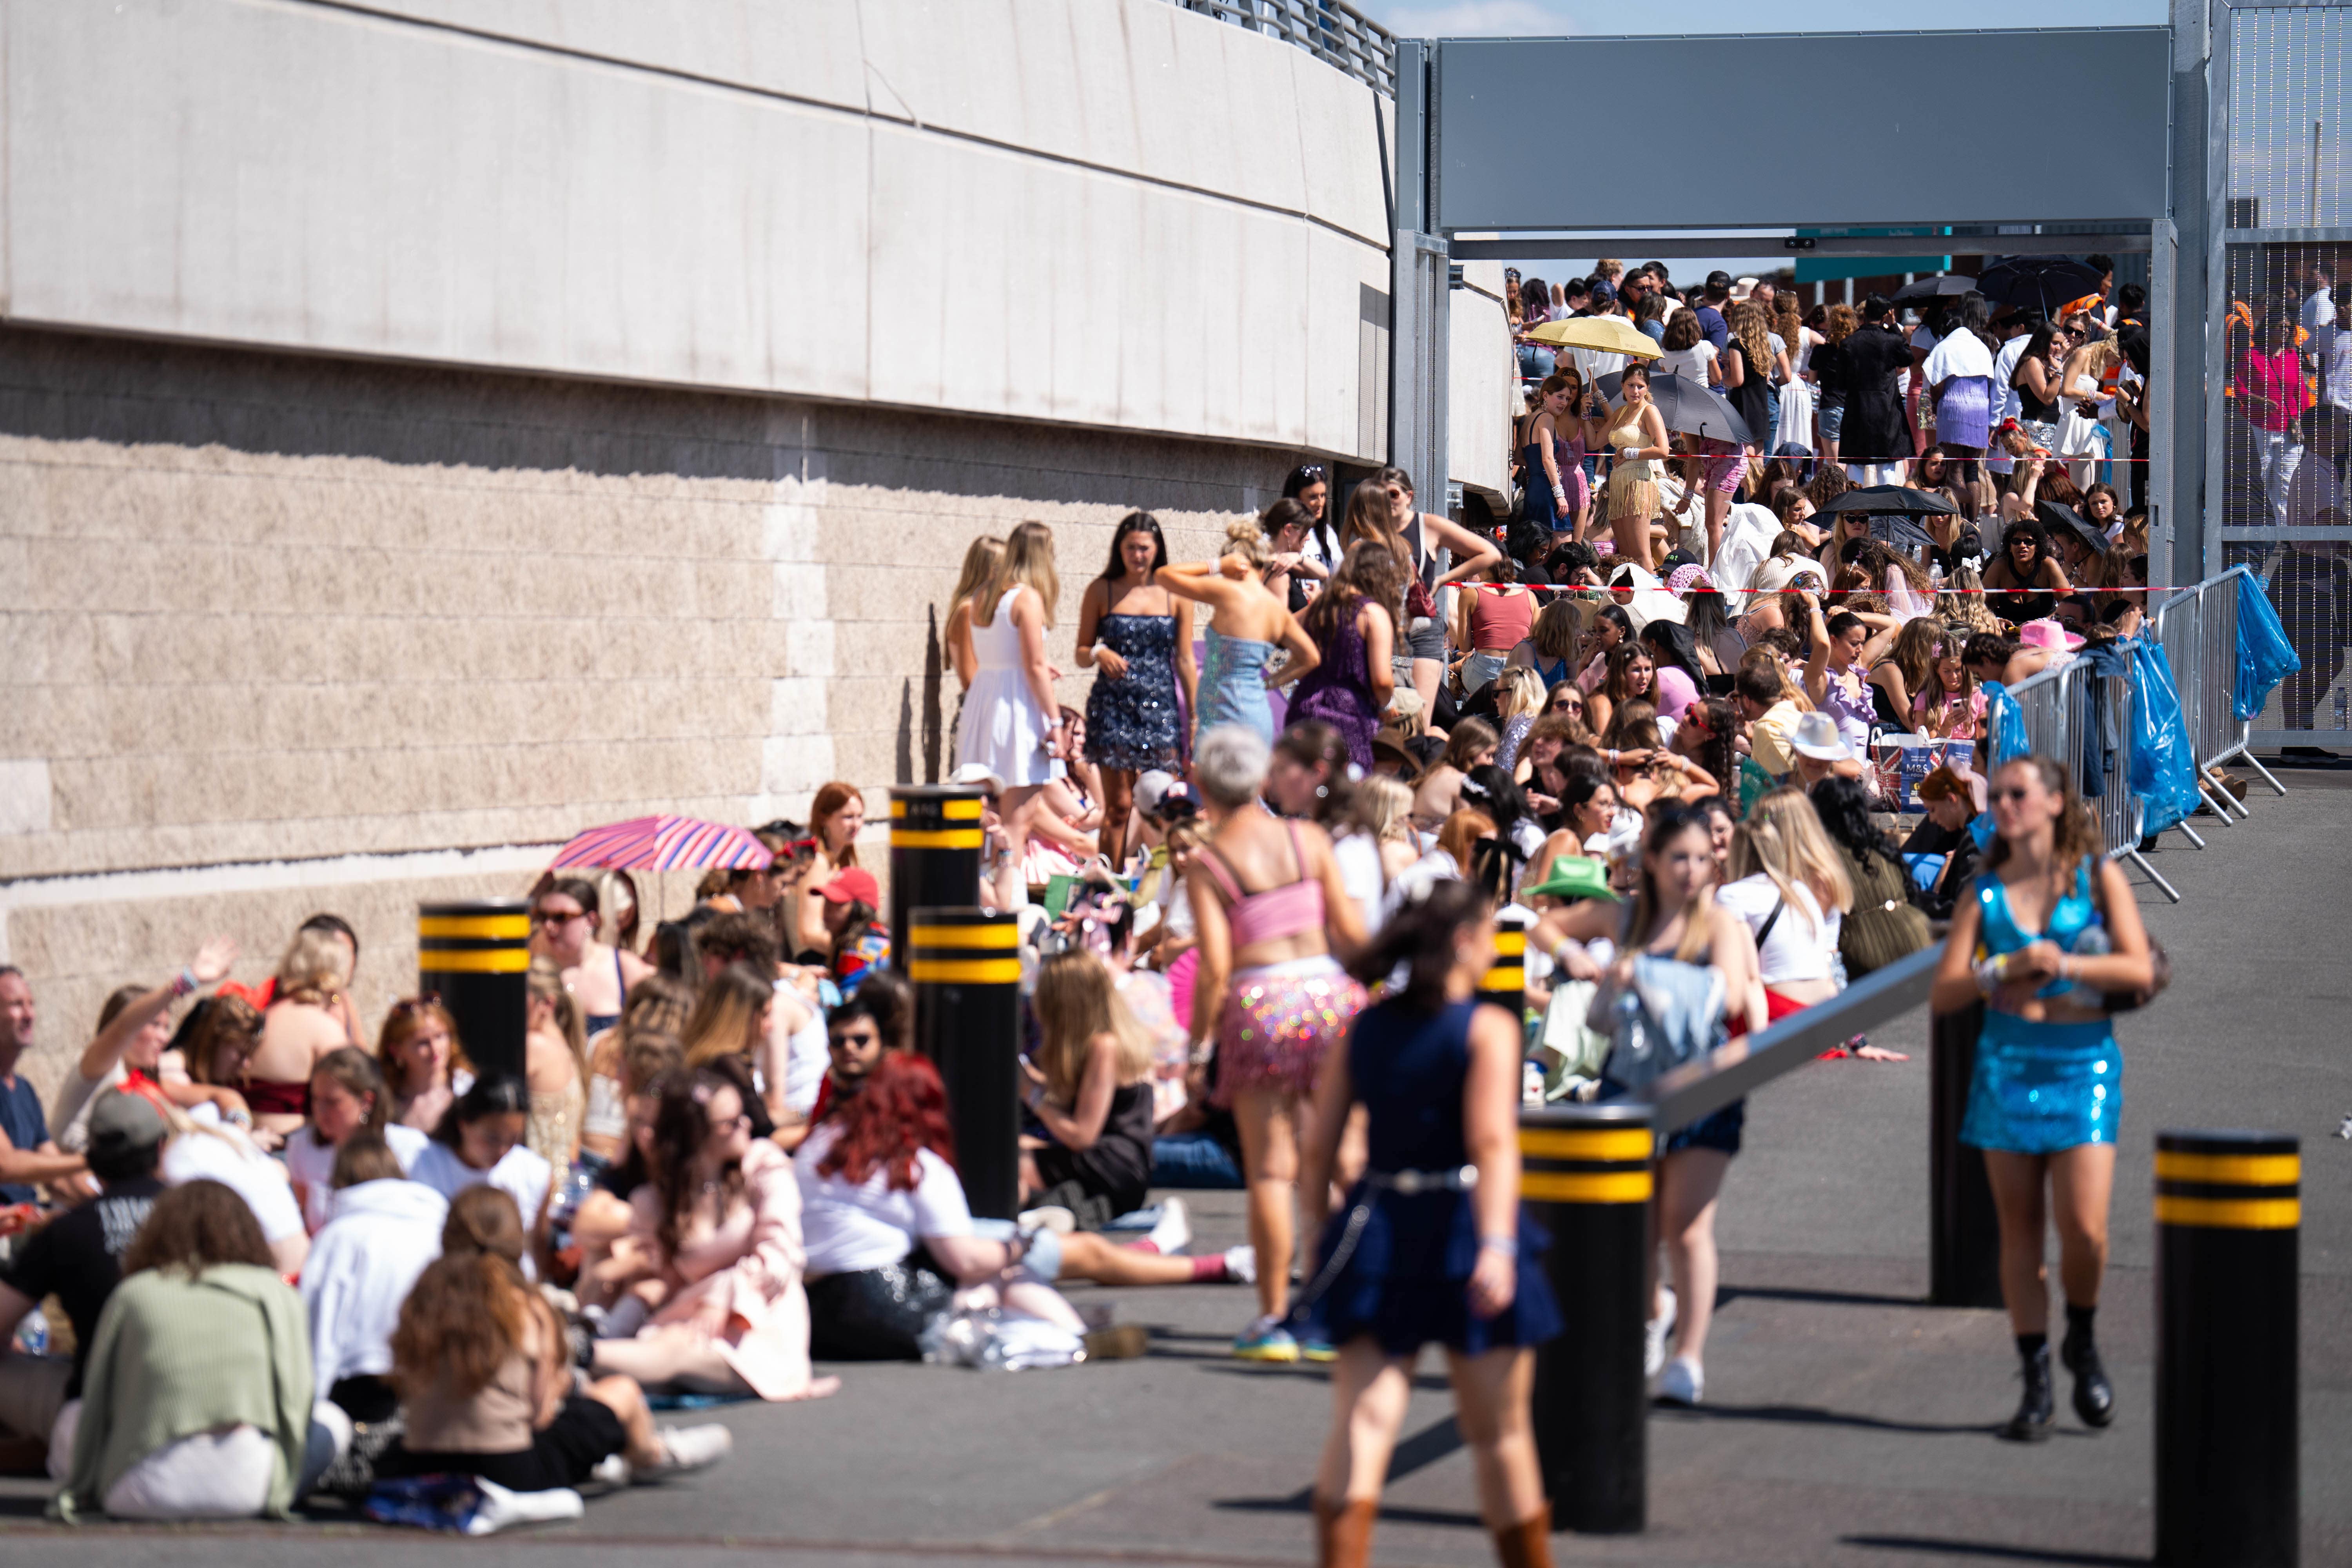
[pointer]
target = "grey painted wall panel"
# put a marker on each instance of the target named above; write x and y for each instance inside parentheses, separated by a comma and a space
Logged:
(1802, 130)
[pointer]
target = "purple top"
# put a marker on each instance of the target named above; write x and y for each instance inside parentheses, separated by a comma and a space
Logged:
(1339, 691)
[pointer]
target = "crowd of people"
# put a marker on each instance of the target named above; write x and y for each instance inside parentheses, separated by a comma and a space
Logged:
(276, 1253)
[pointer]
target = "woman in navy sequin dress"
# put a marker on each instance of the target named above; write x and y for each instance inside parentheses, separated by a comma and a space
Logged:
(1433, 1244)
(1137, 637)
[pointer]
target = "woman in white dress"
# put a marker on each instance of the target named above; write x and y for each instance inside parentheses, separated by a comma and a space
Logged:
(1012, 725)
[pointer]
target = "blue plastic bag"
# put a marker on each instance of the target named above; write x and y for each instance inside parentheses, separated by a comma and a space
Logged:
(2264, 655)
(2163, 770)
(2005, 724)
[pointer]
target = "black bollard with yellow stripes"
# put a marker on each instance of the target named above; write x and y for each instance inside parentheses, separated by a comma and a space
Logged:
(475, 954)
(935, 838)
(2229, 1215)
(965, 964)
(1585, 1172)
(1506, 985)
(1963, 1230)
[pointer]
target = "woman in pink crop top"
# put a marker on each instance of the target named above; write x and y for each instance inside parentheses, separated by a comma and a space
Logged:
(1269, 907)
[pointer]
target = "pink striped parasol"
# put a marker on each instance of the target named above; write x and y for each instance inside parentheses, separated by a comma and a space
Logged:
(665, 844)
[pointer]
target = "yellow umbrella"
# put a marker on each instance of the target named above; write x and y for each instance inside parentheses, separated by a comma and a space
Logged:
(1606, 334)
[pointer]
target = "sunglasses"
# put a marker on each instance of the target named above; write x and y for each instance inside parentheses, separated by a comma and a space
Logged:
(550, 918)
(408, 1004)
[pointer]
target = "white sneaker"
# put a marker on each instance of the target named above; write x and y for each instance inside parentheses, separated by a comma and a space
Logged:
(1660, 1331)
(688, 1448)
(1683, 1382)
(1173, 1234)
(612, 1472)
(1049, 1216)
(1241, 1264)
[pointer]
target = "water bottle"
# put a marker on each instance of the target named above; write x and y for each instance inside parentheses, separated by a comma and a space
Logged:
(1531, 1082)
(33, 1334)
(1935, 577)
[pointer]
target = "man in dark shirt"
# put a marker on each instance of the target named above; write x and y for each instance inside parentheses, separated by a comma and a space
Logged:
(1876, 433)
(78, 1257)
(1710, 310)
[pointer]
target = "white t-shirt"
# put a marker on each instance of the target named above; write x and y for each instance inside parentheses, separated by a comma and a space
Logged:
(311, 1166)
(872, 1224)
(1959, 352)
(1691, 364)
(522, 1175)
(2318, 311)
(1801, 945)
(807, 1055)
(227, 1158)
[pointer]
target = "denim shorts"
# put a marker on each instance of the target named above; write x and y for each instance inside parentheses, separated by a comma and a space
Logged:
(1833, 419)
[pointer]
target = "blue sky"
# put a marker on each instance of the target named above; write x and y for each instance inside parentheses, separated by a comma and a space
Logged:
(1551, 18)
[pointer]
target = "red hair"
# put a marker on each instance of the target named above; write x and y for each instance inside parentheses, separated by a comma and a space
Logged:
(902, 1110)
(828, 805)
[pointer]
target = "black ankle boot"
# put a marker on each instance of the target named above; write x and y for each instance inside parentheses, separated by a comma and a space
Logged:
(2032, 1422)
(2094, 1397)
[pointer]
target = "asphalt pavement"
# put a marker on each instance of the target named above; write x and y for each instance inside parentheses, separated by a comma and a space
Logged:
(1845, 1422)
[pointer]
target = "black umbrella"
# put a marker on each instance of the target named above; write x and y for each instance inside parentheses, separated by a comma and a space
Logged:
(1686, 406)
(2062, 519)
(1896, 499)
(2036, 283)
(1944, 285)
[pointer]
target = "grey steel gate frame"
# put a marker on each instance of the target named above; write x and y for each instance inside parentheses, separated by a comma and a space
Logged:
(1462, 107)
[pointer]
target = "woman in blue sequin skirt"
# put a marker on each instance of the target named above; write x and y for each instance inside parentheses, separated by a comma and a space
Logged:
(2051, 933)
(1137, 638)
(1433, 1244)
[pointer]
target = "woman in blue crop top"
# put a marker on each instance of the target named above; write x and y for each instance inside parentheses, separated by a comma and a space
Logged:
(1433, 1246)
(2051, 928)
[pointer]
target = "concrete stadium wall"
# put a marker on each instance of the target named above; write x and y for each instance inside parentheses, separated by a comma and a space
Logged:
(1100, 212)
(293, 633)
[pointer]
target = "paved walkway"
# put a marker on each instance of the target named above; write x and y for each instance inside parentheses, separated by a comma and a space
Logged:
(1845, 1422)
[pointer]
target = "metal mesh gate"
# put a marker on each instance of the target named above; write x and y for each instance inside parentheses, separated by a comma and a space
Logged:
(2280, 485)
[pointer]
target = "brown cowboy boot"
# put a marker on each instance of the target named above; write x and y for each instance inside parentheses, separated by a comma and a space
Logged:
(1527, 1545)
(1343, 1533)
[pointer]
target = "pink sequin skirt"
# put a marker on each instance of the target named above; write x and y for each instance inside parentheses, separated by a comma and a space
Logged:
(1275, 1028)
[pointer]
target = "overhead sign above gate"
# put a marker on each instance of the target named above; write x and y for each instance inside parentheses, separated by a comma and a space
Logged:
(1811, 130)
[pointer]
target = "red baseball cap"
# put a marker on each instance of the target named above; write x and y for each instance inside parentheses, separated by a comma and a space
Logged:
(853, 882)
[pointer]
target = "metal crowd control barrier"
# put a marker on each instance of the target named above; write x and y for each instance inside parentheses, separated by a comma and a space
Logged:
(2199, 629)
(2071, 710)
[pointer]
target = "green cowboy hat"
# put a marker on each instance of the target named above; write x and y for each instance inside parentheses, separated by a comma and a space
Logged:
(1573, 877)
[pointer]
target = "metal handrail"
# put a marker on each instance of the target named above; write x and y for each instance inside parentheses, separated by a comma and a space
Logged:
(1332, 31)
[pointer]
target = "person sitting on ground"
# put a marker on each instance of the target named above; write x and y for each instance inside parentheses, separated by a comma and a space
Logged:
(721, 1305)
(567, 929)
(1470, 743)
(382, 1231)
(481, 1141)
(861, 943)
(305, 1021)
(220, 1033)
(1990, 657)
(77, 1258)
(791, 1063)
(600, 1222)
(659, 1004)
(889, 1227)
(483, 1367)
(134, 1028)
(1771, 716)
(1089, 1089)
(197, 1392)
(1551, 649)
(1947, 800)
(347, 1098)
(425, 1066)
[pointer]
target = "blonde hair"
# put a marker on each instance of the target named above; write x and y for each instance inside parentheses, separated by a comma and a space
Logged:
(1518, 691)
(1078, 1001)
(545, 983)
(1384, 806)
(1745, 319)
(1461, 835)
(981, 557)
(312, 969)
(726, 1015)
(1245, 539)
(1782, 837)
(1028, 563)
